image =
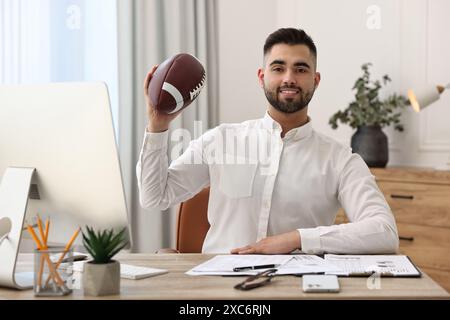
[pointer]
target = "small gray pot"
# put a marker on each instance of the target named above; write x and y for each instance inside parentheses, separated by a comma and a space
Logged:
(101, 279)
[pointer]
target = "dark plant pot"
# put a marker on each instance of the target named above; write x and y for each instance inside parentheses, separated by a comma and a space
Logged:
(371, 144)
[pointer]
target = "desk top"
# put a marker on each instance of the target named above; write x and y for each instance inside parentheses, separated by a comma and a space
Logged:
(177, 285)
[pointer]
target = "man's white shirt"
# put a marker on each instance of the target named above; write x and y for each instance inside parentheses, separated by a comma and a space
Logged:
(263, 185)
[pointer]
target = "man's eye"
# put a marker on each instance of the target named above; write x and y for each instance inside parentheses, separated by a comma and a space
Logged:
(277, 69)
(301, 70)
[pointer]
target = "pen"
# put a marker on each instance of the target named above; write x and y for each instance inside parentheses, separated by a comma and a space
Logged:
(263, 266)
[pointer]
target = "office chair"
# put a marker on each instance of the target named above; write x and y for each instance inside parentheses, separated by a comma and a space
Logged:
(192, 224)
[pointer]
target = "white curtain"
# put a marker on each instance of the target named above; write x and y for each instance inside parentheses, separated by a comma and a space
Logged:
(44, 41)
(150, 31)
(24, 46)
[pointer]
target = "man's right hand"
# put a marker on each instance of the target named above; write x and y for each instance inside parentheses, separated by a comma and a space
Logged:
(157, 121)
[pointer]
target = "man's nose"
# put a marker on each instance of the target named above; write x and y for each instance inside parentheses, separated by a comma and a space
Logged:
(289, 78)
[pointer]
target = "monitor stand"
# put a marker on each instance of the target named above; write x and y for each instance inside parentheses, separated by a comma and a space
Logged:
(14, 192)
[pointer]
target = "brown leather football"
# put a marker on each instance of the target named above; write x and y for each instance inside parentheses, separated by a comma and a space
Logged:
(176, 83)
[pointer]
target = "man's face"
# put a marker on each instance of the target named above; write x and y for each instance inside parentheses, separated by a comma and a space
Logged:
(289, 77)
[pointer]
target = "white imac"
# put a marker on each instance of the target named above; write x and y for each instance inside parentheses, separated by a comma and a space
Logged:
(58, 159)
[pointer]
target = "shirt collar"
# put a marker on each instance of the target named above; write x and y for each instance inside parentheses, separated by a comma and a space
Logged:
(295, 134)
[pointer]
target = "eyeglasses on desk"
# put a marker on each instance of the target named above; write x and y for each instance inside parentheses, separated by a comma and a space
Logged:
(258, 280)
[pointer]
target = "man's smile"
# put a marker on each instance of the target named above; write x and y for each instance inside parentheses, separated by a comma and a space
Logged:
(289, 92)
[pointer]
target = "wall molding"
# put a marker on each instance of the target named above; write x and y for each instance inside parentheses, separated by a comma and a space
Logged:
(426, 143)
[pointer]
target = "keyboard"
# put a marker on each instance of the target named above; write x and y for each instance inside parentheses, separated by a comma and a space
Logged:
(127, 271)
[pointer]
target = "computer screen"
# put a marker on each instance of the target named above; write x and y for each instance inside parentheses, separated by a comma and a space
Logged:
(65, 131)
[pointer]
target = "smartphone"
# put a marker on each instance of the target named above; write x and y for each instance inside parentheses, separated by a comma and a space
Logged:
(320, 283)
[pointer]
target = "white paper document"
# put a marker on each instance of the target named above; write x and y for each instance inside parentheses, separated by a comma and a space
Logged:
(286, 264)
(387, 265)
(307, 264)
(224, 264)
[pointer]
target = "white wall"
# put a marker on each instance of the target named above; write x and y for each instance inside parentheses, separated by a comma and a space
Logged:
(243, 28)
(409, 46)
(425, 52)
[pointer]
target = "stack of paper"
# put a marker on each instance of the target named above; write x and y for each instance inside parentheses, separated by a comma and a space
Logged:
(224, 264)
(307, 264)
(286, 264)
(343, 265)
(385, 265)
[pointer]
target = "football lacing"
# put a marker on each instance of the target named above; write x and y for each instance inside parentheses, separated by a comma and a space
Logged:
(194, 93)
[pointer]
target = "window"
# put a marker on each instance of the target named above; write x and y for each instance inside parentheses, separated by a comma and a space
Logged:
(45, 41)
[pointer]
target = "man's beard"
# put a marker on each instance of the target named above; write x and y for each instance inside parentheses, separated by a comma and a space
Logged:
(290, 105)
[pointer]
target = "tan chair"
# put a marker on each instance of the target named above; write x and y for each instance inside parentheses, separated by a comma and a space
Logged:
(192, 224)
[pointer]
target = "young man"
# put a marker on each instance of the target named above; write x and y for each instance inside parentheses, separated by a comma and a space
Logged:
(287, 200)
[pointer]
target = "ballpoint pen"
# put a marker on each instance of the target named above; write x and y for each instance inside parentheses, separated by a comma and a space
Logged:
(262, 266)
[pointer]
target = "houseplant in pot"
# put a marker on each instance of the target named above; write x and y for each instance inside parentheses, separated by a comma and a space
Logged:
(368, 114)
(101, 275)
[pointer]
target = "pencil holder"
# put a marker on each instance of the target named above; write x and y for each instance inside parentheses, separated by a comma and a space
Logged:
(53, 270)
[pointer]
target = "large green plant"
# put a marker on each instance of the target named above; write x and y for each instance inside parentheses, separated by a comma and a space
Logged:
(367, 108)
(103, 245)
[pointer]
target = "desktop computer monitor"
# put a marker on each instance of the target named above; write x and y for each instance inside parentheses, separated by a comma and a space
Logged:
(65, 131)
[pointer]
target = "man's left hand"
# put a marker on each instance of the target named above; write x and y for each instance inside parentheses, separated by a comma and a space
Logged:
(279, 244)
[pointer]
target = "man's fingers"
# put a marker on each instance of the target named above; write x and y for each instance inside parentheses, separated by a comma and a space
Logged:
(234, 251)
(148, 78)
(244, 250)
(248, 251)
(146, 83)
(238, 250)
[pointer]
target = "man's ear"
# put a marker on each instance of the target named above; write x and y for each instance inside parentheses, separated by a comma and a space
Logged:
(316, 80)
(261, 77)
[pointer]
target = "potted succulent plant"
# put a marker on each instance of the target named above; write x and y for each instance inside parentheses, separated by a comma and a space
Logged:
(368, 114)
(101, 275)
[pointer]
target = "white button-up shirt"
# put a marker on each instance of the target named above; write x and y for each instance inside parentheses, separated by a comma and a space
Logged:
(263, 185)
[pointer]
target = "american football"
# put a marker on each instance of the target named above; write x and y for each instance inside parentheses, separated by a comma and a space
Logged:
(176, 83)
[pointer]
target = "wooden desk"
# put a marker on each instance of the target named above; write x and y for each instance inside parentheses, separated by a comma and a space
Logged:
(420, 202)
(177, 285)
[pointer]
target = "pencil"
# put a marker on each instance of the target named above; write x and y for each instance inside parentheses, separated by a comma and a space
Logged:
(53, 272)
(44, 246)
(66, 249)
(41, 231)
(74, 236)
(39, 245)
(68, 245)
(47, 229)
(34, 236)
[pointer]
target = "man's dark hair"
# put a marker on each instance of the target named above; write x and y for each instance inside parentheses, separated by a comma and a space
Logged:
(290, 36)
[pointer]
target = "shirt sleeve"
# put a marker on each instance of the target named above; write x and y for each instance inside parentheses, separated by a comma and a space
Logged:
(161, 186)
(372, 228)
